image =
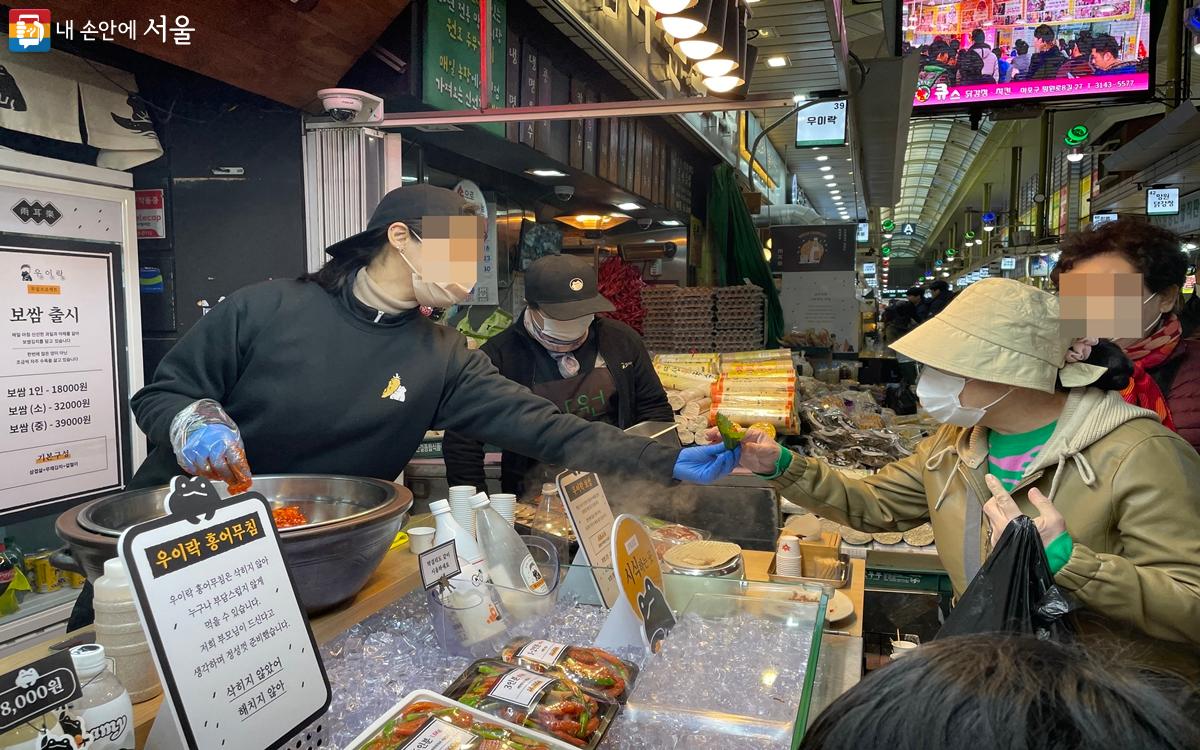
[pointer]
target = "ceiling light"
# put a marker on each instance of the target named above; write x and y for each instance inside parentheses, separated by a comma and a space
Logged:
(1074, 156)
(1189, 246)
(849, 159)
(777, 61)
(946, 275)
(688, 22)
(627, 206)
(593, 222)
(826, 169)
(747, 58)
(827, 176)
(545, 172)
(669, 7)
(822, 157)
(671, 223)
(989, 227)
(708, 42)
(730, 36)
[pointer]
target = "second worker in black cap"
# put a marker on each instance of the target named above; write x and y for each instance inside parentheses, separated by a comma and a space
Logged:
(595, 368)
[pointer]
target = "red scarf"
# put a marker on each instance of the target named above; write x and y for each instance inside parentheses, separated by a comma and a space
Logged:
(1146, 355)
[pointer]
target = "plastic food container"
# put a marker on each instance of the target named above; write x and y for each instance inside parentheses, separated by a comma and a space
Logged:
(595, 670)
(552, 707)
(441, 723)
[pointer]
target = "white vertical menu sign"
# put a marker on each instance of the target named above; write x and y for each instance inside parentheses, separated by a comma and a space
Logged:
(234, 650)
(592, 520)
(60, 425)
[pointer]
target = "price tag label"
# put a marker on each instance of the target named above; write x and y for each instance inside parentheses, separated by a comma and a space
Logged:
(439, 563)
(29, 692)
(238, 661)
(546, 653)
(520, 687)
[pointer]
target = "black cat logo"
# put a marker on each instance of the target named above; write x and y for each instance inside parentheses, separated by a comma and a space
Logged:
(194, 489)
(10, 92)
(655, 613)
(139, 121)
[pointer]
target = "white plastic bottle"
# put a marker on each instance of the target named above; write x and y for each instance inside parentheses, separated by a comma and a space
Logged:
(472, 601)
(119, 630)
(509, 563)
(551, 502)
(104, 711)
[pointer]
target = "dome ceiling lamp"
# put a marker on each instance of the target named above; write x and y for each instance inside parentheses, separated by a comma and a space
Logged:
(708, 42)
(687, 23)
(733, 37)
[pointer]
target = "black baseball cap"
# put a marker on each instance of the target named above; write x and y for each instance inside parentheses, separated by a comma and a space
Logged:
(564, 287)
(407, 205)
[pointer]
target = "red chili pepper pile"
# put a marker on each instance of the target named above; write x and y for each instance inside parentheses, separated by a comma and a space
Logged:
(621, 283)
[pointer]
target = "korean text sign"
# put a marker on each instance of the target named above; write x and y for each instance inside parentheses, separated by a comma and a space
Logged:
(233, 645)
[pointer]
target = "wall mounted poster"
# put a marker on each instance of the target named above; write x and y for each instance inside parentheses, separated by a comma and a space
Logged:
(58, 375)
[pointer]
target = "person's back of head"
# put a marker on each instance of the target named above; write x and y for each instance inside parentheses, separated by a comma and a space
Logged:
(1044, 34)
(1021, 46)
(978, 37)
(1004, 691)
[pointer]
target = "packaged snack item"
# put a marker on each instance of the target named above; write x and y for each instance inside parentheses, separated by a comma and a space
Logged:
(424, 720)
(553, 706)
(595, 670)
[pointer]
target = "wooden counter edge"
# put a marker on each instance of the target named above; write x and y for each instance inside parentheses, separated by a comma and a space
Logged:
(756, 565)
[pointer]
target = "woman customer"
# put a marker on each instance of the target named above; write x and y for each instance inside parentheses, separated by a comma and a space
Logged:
(1025, 431)
(1160, 340)
(1013, 692)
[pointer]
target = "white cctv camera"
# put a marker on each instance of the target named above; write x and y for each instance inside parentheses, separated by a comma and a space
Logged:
(351, 105)
(564, 192)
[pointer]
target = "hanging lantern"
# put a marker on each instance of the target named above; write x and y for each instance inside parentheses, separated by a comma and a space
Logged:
(688, 22)
(723, 61)
(670, 7)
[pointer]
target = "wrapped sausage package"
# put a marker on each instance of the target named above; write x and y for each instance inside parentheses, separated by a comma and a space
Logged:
(595, 670)
(554, 707)
(1013, 592)
(424, 720)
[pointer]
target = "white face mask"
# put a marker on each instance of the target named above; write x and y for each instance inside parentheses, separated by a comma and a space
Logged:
(939, 392)
(439, 294)
(566, 330)
(1157, 318)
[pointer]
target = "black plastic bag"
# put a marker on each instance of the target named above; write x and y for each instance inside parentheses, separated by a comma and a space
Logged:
(1013, 592)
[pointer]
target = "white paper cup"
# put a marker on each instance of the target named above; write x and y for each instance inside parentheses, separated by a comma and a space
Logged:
(902, 648)
(788, 546)
(506, 505)
(420, 539)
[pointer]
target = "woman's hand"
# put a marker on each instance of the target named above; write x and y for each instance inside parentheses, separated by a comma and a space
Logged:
(759, 452)
(1002, 508)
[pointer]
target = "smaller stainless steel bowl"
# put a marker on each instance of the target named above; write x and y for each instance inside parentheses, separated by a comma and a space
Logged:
(352, 523)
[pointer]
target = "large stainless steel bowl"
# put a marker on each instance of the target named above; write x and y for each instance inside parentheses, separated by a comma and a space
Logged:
(352, 522)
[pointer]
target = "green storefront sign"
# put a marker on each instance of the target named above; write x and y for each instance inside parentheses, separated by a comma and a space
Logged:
(450, 67)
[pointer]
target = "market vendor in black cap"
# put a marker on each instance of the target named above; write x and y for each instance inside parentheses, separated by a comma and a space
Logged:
(594, 368)
(339, 372)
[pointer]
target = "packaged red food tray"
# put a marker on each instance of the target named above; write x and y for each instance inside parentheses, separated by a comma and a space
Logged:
(595, 670)
(556, 707)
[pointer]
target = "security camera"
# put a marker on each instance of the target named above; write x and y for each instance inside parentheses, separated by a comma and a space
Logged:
(564, 192)
(351, 105)
(645, 223)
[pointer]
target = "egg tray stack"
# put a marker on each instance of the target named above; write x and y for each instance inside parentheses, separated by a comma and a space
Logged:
(678, 319)
(739, 318)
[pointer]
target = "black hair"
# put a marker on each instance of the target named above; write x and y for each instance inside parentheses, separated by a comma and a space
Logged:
(1006, 691)
(915, 291)
(340, 271)
(1022, 46)
(1044, 33)
(937, 49)
(1106, 43)
(977, 36)
(939, 285)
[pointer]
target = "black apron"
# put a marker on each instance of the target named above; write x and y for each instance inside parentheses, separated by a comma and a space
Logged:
(588, 396)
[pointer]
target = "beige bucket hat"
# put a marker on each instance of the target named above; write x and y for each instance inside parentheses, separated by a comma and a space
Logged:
(1002, 331)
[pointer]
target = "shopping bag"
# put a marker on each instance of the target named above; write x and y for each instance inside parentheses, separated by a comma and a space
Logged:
(1014, 591)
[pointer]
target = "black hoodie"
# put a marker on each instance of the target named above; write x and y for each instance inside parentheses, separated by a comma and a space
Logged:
(319, 383)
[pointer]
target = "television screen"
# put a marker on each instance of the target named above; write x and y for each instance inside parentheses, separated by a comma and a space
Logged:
(989, 52)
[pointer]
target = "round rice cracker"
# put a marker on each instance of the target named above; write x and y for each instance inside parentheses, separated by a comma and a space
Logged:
(888, 537)
(854, 536)
(921, 536)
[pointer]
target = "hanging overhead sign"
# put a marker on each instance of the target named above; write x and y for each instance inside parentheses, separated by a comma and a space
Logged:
(868, 269)
(908, 229)
(1099, 220)
(1008, 264)
(1162, 201)
(864, 233)
(821, 124)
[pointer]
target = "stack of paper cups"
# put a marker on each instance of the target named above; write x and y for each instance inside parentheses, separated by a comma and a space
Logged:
(460, 507)
(506, 505)
(787, 556)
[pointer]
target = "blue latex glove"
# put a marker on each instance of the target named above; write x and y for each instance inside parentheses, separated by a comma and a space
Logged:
(213, 450)
(704, 464)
